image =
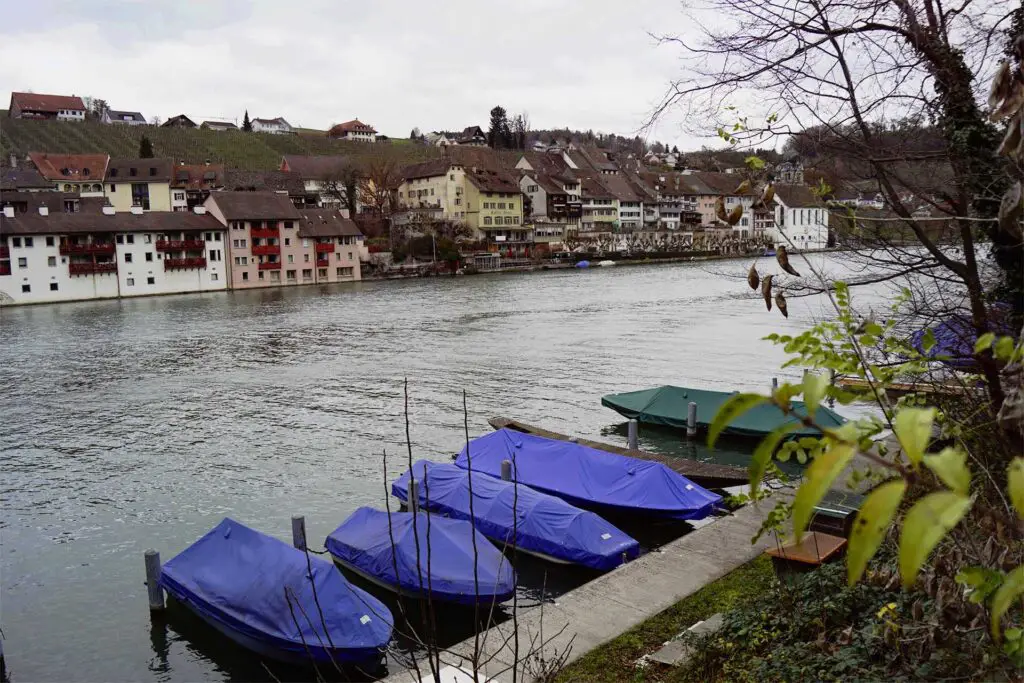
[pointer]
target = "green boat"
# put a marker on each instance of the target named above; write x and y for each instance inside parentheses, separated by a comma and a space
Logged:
(667, 406)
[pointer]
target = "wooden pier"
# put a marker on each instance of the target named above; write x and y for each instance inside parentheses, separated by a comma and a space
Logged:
(707, 474)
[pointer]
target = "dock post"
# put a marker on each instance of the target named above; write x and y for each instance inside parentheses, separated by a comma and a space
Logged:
(634, 435)
(414, 495)
(506, 470)
(691, 420)
(299, 532)
(775, 384)
(156, 593)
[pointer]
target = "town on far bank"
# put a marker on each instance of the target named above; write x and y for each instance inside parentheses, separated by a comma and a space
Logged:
(84, 220)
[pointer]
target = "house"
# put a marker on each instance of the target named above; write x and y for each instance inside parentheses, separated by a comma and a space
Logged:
(82, 173)
(262, 235)
(128, 118)
(324, 175)
(219, 126)
(552, 199)
(17, 177)
(95, 252)
(191, 184)
(352, 130)
(677, 199)
(494, 206)
(801, 218)
(288, 183)
(276, 126)
(144, 183)
(336, 242)
(28, 105)
(472, 136)
(790, 171)
(179, 121)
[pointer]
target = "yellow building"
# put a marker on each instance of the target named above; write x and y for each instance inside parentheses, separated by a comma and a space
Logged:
(494, 201)
(139, 182)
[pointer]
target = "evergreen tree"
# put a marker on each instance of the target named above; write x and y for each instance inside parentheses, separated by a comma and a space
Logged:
(498, 133)
(145, 148)
(246, 123)
(675, 150)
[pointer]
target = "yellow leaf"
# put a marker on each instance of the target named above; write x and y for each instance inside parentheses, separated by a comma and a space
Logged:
(764, 451)
(913, 427)
(817, 480)
(925, 525)
(1015, 485)
(814, 390)
(873, 518)
(950, 466)
(1011, 588)
(734, 406)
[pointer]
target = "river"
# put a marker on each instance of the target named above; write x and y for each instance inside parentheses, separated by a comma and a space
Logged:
(138, 424)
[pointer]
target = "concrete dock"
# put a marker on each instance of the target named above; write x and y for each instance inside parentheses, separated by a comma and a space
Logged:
(598, 611)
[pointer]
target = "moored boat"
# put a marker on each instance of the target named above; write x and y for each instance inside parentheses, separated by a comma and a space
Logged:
(425, 558)
(533, 522)
(268, 597)
(591, 478)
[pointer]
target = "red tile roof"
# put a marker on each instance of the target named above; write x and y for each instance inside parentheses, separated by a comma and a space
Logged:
(198, 176)
(71, 167)
(320, 167)
(30, 101)
(353, 126)
(487, 180)
(326, 223)
(257, 206)
(148, 170)
(90, 219)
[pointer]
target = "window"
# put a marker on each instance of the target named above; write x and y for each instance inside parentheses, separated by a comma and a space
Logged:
(15, 241)
(25, 289)
(130, 239)
(53, 286)
(130, 282)
(322, 272)
(290, 274)
(113, 188)
(487, 220)
(350, 255)
(451, 177)
(216, 237)
(120, 239)
(288, 225)
(147, 238)
(458, 200)
(291, 258)
(305, 242)
(209, 237)
(214, 255)
(214, 276)
(128, 257)
(52, 261)
(337, 256)
(245, 276)
(133, 171)
(307, 273)
(245, 243)
(179, 196)
(305, 258)
(241, 260)
(150, 280)
(49, 241)
(287, 241)
(275, 276)
(344, 272)
(23, 262)
(235, 244)
(28, 241)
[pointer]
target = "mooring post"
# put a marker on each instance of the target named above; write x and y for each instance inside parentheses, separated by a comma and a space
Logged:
(506, 470)
(414, 495)
(775, 384)
(299, 532)
(691, 420)
(156, 593)
(634, 435)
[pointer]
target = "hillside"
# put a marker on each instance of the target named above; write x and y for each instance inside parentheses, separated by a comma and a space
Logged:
(250, 151)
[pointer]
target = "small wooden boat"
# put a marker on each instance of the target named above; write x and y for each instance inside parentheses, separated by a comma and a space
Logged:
(363, 545)
(254, 589)
(531, 521)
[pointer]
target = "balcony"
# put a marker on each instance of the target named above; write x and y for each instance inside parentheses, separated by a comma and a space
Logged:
(5, 268)
(266, 249)
(92, 268)
(265, 233)
(325, 247)
(322, 263)
(276, 265)
(67, 248)
(5, 253)
(184, 263)
(180, 245)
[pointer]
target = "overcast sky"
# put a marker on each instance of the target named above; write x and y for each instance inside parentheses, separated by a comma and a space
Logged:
(395, 64)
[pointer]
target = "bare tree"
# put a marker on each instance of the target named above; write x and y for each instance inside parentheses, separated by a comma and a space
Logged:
(376, 186)
(845, 66)
(341, 185)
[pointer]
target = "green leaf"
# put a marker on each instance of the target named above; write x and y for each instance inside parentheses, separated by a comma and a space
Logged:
(950, 466)
(815, 386)
(764, 451)
(913, 427)
(734, 406)
(928, 341)
(1012, 588)
(1003, 348)
(1015, 485)
(984, 342)
(925, 525)
(817, 480)
(873, 518)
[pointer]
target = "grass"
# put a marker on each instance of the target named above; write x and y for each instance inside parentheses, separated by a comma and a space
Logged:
(615, 660)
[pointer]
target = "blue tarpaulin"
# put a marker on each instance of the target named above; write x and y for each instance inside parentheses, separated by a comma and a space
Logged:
(363, 543)
(237, 578)
(544, 524)
(589, 477)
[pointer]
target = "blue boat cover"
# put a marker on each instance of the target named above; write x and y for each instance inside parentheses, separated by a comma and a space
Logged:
(587, 476)
(238, 577)
(955, 337)
(364, 543)
(546, 524)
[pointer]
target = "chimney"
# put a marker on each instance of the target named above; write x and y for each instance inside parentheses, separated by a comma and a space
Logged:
(199, 210)
(44, 211)
(8, 212)
(137, 210)
(108, 210)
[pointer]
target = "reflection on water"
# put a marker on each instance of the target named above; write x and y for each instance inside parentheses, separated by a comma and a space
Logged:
(141, 423)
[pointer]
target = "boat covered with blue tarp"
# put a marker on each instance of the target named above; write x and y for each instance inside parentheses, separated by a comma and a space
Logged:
(362, 544)
(259, 591)
(590, 478)
(668, 405)
(531, 521)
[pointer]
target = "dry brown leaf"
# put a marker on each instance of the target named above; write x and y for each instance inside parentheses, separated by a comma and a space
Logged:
(735, 215)
(783, 258)
(780, 302)
(766, 290)
(753, 279)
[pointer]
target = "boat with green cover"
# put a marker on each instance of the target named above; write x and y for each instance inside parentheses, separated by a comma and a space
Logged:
(667, 406)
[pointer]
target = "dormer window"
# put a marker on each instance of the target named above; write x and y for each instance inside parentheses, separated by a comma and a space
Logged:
(133, 172)
(152, 171)
(113, 173)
